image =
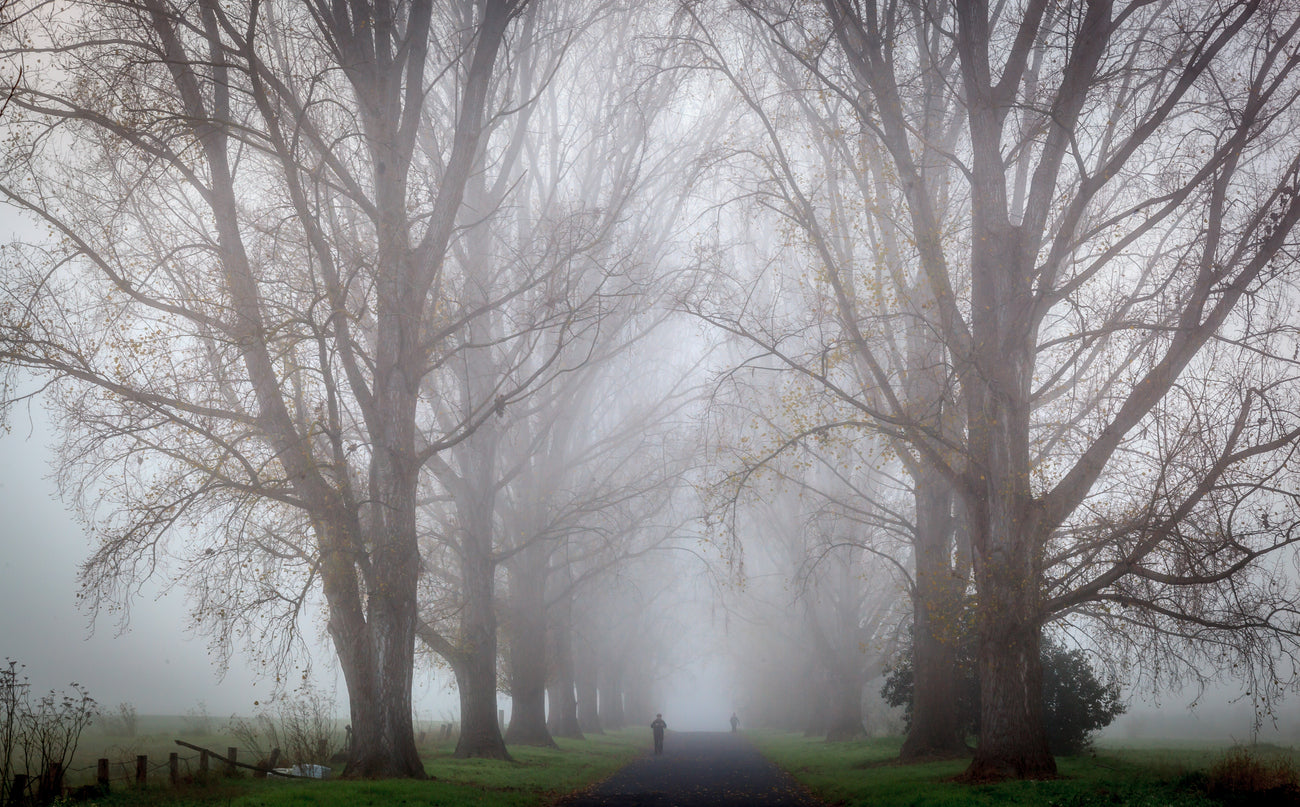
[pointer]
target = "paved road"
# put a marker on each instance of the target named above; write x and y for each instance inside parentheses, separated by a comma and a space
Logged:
(697, 769)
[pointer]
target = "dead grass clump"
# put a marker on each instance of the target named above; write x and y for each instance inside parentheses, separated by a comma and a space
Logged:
(1243, 777)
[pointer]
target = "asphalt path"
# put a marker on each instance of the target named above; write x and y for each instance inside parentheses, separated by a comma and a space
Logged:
(697, 769)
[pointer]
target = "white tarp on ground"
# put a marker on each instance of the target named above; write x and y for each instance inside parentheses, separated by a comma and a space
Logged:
(310, 771)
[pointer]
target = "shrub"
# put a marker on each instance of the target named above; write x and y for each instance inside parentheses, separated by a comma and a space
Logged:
(197, 720)
(122, 721)
(1075, 702)
(303, 728)
(35, 734)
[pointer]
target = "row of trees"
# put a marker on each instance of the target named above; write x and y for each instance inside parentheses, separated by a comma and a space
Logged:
(376, 303)
(1045, 251)
(343, 298)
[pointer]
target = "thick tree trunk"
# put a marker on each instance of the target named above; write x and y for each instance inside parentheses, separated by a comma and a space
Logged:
(377, 663)
(817, 719)
(936, 613)
(935, 731)
(528, 650)
(612, 715)
(585, 690)
(375, 647)
(480, 733)
(476, 679)
(1002, 515)
(1013, 742)
(844, 707)
(563, 719)
(527, 698)
(383, 736)
(636, 699)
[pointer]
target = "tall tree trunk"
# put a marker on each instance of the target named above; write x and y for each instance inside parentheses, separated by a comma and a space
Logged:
(817, 717)
(377, 663)
(1013, 738)
(480, 733)
(1000, 506)
(528, 649)
(844, 706)
(585, 690)
(936, 613)
(612, 715)
(636, 698)
(563, 720)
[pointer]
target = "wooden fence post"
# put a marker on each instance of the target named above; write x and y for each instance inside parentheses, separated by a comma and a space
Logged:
(232, 756)
(101, 772)
(174, 768)
(142, 770)
(271, 762)
(203, 767)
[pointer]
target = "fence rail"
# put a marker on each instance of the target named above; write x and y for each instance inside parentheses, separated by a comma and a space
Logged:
(50, 784)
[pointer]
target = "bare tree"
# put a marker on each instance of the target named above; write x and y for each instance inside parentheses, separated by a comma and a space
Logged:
(591, 185)
(830, 518)
(1104, 242)
(802, 130)
(255, 206)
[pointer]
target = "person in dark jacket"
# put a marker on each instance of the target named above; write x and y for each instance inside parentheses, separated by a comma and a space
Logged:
(735, 723)
(658, 727)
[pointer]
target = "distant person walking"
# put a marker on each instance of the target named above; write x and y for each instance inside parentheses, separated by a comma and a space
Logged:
(735, 723)
(658, 727)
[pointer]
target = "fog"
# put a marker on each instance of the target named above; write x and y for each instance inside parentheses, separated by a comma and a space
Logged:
(156, 663)
(583, 361)
(153, 662)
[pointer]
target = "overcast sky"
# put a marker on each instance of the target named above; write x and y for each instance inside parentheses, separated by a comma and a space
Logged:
(153, 664)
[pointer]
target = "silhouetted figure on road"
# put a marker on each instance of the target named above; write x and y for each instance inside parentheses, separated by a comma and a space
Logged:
(658, 728)
(735, 723)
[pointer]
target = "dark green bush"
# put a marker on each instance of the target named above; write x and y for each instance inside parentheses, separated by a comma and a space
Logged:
(1075, 702)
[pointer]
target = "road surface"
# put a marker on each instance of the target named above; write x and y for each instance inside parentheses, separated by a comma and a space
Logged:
(697, 769)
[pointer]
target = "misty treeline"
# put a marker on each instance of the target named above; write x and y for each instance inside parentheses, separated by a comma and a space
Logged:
(465, 330)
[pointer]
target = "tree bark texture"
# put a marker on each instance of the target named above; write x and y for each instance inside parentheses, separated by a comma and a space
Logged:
(936, 628)
(1004, 527)
(480, 733)
(528, 661)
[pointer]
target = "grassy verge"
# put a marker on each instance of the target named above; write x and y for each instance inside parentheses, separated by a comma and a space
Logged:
(862, 772)
(536, 776)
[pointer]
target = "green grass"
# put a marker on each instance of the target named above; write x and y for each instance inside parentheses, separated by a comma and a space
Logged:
(536, 776)
(862, 772)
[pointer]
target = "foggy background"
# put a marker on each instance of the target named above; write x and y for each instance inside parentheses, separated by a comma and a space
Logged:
(153, 661)
(158, 666)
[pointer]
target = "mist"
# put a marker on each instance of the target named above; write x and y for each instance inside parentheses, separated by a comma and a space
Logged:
(536, 368)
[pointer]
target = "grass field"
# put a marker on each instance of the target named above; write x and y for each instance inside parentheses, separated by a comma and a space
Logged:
(536, 776)
(1146, 775)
